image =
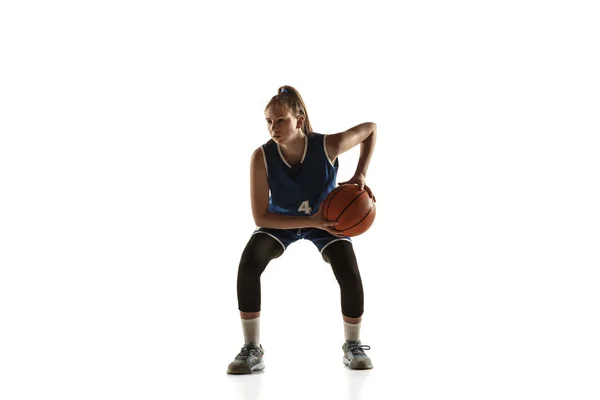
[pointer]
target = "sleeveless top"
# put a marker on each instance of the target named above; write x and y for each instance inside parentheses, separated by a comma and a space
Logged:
(299, 190)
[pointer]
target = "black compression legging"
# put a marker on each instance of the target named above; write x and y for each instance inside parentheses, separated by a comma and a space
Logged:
(262, 248)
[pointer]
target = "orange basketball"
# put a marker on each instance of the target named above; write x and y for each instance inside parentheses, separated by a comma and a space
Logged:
(352, 207)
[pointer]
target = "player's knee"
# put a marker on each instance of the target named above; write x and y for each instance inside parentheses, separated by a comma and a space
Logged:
(250, 269)
(249, 263)
(257, 255)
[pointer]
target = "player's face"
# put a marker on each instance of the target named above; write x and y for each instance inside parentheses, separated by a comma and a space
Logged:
(281, 123)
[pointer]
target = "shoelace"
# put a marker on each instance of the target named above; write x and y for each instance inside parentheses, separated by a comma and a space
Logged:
(245, 353)
(358, 349)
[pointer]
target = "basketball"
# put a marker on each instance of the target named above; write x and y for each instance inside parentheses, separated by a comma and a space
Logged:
(351, 207)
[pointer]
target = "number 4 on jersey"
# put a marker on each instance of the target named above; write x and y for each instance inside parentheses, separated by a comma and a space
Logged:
(305, 206)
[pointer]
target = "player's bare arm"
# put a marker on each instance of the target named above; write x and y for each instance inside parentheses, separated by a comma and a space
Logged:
(364, 134)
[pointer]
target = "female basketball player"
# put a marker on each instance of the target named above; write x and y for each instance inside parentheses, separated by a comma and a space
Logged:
(299, 168)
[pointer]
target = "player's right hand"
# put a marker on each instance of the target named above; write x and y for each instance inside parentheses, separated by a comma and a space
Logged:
(320, 222)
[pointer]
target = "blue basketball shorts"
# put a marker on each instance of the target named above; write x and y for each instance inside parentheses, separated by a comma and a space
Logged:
(319, 237)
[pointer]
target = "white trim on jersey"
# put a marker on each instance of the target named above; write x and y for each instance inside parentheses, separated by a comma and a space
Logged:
(267, 233)
(334, 240)
(303, 155)
(282, 157)
(305, 148)
(265, 160)
(325, 148)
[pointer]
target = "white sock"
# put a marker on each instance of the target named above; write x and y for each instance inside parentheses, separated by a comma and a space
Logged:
(251, 328)
(352, 331)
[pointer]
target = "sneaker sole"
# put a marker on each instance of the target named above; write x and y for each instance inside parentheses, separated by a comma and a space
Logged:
(243, 371)
(358, 365)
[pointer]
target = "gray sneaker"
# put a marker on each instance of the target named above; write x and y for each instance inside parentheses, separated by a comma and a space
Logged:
(250, 359)
(354, 355)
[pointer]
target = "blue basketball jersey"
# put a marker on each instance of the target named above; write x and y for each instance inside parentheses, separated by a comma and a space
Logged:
(299, 190)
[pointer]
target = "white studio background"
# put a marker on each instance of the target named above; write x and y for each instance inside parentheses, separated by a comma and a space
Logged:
(126, 134)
